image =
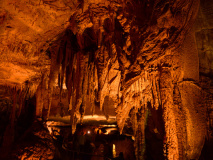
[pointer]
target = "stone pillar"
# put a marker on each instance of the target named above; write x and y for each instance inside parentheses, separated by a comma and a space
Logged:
(39, 102)
(166, 91)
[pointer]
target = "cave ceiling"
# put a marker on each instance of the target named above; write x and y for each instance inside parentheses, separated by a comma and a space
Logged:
(136, 33)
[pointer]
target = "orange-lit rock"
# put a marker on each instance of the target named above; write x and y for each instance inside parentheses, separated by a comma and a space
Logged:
(145, 62)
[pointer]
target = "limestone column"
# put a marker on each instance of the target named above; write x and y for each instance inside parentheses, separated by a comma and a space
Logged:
(166, 91)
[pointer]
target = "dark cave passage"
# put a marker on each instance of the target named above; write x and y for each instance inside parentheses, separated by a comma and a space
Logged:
(155, 135)
(92, 143)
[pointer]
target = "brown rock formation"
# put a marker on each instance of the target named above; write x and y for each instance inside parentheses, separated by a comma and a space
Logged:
(146, 56)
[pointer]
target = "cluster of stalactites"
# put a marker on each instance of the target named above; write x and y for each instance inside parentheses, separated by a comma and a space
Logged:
(104, 41)
(144, 90)
(75, 68)
(86, 61)
(135, 102)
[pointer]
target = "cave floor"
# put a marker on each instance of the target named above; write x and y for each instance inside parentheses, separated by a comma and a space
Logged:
(93, 146)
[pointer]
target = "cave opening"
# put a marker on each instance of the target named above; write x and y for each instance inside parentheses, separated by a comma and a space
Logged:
(155, 135)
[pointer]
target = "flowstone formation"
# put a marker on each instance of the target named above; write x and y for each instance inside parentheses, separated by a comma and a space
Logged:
(141, 54)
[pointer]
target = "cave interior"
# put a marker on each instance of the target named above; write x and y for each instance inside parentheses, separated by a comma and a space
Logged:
(98, 79)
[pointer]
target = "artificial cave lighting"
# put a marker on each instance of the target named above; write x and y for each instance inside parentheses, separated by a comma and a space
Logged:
(125, 79)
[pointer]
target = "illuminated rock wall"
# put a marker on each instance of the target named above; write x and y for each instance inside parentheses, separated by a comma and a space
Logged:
(144, 55)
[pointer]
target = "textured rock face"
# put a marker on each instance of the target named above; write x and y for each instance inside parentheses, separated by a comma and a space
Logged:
(142, 55)
(27, 28)
(203, 28)
(203, 31)
(36, 144)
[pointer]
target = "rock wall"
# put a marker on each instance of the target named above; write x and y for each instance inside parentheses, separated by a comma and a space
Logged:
(143, 55)
(203, 33)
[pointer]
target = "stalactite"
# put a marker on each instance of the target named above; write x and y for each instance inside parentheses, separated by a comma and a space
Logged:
(21, 103)
(63, 69)
(70, 75)
(91, 87)
(84, 88)
(105, 85)
(77, 79)
(95, 84)
(72, 91)
(100, 68)
(56, 59)
(39, 101)
(42, 98)
(157, 90)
